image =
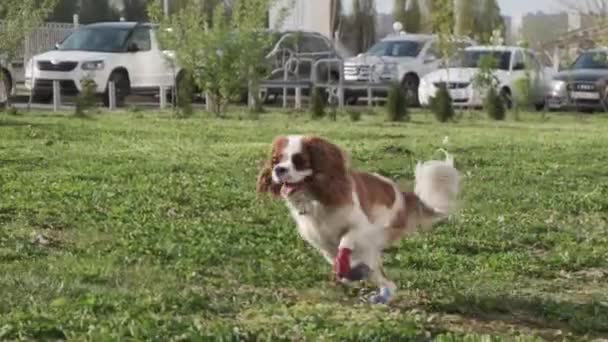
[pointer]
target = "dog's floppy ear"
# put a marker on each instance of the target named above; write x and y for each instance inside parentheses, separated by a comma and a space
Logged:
(265, 185)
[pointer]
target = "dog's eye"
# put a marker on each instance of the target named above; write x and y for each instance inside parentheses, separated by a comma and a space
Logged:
(298, 161)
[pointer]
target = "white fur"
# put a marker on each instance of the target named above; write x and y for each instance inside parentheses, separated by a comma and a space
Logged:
(437, 184)
(294, 146)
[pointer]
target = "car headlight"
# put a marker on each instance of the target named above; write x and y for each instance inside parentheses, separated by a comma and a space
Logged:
(558, 87)
(423, 83)
(93, 65)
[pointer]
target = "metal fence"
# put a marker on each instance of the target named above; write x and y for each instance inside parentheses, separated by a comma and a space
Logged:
(41, 39)
(44, 39)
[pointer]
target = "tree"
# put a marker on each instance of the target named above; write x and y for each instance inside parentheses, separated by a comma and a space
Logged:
(64, 11)
(409, 14)
(362, 23)
(399, 11)
(96, 10)
(20, 18)
(134, 10)
(442, 16)
(488, 20)
(413, 17)
(443, 24)
(212, 51)
(336, 17)
(464, 16)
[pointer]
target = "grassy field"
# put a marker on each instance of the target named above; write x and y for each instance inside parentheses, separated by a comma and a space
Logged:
(137, 226)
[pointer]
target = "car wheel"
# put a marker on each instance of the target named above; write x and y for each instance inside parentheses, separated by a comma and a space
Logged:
(410, 88)
(122, 86)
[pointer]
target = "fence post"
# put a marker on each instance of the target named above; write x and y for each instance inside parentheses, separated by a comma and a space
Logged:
(284, 86)
(298, 97)
(370, 79)
(163, 97)
(56, 96)
(111, 95)
(341, 86)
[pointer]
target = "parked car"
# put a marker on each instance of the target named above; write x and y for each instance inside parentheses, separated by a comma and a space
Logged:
(7, 82)
(513, 64)
(126, 53)
(403, 57)
(307, 47)
(582, 86)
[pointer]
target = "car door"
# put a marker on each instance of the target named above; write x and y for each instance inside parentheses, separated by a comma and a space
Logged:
(430, 58)
(147, 65)
(536, 73)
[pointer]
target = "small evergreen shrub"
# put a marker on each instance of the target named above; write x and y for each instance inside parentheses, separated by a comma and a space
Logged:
(494, 105)
(317, 104)
(354, 115)
(396, 104)
(441, 105)
(87, 98)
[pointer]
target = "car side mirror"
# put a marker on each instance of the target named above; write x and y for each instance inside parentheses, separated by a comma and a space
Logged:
(132, 47)
(57, 46)
(430, 59)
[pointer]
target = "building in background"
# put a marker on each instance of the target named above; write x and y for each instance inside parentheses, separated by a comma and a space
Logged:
(307, 15)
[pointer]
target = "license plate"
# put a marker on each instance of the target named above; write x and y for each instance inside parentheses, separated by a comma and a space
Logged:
(458, 94)
(582, 95)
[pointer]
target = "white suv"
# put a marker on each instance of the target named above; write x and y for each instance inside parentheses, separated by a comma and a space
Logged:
(513, 64)
(126, 53)
(402, 57)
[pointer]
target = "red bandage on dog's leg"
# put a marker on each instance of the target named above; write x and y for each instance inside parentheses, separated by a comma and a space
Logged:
(342, 263)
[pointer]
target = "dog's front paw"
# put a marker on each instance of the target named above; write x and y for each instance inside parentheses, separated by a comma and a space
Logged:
(383, 297)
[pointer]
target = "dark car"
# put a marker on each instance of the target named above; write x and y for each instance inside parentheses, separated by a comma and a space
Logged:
(583, 85)
(303, 48)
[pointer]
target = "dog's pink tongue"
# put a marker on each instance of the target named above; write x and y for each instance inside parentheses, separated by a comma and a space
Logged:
(288, 189)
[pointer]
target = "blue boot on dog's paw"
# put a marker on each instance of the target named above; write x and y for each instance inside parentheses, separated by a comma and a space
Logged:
(381, 298)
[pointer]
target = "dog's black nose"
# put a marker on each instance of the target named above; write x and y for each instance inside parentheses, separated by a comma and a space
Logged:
(280, 170)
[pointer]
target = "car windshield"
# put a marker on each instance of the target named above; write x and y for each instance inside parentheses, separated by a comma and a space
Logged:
(591, 60)
(396, 48)
(472, 59)
(102, 39)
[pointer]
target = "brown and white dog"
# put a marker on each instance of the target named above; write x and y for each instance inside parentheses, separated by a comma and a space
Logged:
(349, 216)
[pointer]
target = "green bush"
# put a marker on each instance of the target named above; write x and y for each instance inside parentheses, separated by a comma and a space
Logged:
(396, 104)
(354, 115)
(87, 98)
(317, 104)
(441, 105)
(494, 105)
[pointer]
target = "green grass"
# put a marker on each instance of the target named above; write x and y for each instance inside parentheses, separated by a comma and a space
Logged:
(154, 232)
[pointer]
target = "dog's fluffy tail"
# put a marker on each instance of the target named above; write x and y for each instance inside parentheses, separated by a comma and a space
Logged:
(438, 185)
